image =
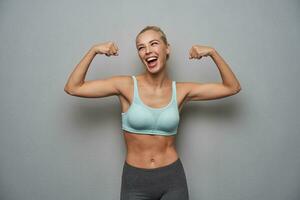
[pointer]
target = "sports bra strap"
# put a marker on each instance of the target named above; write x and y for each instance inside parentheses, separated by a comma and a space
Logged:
(135, 90)
(174, 96)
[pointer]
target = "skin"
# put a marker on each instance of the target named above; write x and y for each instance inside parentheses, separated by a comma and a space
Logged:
(155, 90)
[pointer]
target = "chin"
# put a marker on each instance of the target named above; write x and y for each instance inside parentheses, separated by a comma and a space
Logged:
(154, 70)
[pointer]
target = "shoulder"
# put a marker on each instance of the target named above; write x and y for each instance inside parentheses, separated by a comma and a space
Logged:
(183, 89)
(122, 78)
(122, 82)
(183, 86)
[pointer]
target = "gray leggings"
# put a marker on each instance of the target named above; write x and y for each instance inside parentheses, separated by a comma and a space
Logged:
(162, 183)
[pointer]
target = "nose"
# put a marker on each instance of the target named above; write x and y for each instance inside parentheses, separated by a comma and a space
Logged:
(148, 49)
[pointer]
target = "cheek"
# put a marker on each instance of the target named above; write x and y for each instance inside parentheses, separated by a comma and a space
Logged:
(163, 52)
(140, 53)
(141, 56)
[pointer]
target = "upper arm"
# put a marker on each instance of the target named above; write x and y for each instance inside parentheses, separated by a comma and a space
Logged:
(207, 91)
(99, 88)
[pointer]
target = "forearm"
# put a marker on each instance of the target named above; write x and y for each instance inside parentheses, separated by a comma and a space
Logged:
(78, 75)
(227, 75)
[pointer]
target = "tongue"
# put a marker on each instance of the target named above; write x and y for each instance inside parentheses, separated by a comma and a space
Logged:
(152, 63)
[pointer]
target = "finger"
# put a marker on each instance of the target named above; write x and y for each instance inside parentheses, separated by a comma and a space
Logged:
(112, 51)
(115, 50)
(191, 55)
(198, 56)
(116, 47)
(112, 48)
(191, 52)
(194, 55)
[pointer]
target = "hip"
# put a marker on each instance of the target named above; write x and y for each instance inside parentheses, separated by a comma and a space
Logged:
(168, 176)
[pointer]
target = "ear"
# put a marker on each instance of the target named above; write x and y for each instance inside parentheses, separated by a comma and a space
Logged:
(168, 49)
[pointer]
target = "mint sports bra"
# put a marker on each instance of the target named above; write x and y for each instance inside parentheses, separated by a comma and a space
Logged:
(143, 119)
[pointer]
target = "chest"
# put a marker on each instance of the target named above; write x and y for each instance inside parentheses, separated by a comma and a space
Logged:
(150, 97)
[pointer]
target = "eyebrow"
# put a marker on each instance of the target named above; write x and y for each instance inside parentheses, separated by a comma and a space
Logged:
(149, 42)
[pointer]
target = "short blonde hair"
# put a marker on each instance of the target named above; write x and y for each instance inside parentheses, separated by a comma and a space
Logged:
(154, 28)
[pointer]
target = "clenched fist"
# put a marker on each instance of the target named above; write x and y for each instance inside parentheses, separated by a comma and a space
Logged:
(108, 48)
(197, 51)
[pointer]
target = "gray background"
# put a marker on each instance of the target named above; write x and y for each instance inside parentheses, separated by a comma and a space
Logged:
(56, 146)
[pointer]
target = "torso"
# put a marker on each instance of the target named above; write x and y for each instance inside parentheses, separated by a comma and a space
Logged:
(150, 151)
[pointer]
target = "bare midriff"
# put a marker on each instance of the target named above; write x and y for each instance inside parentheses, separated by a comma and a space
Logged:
(150, 151)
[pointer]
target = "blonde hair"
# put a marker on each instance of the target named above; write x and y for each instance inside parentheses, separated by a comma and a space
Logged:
(157, 29)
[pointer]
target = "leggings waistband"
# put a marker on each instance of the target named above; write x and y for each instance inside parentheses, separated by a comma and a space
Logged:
(162, 168)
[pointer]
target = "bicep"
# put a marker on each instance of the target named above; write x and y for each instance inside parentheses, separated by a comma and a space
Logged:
(98, 88)
(208, 91)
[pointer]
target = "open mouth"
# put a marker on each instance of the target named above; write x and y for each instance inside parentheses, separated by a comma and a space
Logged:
(152, 61)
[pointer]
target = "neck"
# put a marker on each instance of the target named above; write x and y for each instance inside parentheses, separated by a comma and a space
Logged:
(158, 80)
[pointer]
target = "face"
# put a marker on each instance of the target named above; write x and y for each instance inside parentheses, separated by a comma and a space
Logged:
(152, 50)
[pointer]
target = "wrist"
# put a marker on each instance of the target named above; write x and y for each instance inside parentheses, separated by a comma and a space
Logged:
(93, 50)
(212, 52)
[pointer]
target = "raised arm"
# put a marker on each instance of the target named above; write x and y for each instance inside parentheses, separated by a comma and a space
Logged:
(76, 84)
(206, 91)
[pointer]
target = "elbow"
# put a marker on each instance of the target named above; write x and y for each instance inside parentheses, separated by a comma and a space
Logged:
(237, 89)
(234, 89)
(68, 90)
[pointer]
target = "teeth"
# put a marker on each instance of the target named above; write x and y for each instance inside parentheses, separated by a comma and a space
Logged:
(151, 58)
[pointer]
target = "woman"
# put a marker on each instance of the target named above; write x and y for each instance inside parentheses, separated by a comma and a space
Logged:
(151, 103)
